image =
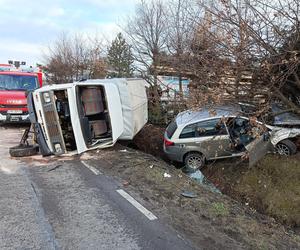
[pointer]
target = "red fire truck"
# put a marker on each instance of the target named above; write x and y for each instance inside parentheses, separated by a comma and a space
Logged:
(15, 83)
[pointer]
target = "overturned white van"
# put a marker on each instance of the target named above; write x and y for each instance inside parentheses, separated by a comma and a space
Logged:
(87, 115)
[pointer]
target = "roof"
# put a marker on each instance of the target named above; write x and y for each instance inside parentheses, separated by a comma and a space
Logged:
(191, 116)
(17, 73)
(83, 83)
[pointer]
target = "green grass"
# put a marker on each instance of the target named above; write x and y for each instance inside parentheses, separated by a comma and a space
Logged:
(219, 209)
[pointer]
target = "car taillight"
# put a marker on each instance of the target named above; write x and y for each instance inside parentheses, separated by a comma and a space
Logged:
(168, 143)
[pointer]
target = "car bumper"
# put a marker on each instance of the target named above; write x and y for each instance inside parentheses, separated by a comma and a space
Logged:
(173, 154)
(8, 118)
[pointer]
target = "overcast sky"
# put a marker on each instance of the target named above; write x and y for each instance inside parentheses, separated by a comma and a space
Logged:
(28, 27)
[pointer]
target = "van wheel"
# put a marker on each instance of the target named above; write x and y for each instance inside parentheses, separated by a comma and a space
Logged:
(194, 161)
(286, 147)
(23, 150)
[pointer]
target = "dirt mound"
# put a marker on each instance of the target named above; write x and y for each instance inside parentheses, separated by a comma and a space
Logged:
(150, 140)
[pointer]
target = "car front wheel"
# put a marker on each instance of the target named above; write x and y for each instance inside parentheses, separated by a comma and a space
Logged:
(194, 161)
(286, 147)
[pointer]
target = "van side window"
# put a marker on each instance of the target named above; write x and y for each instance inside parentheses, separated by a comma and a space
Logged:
(210, 128)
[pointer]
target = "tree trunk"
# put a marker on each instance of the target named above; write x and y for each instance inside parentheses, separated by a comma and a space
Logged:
(180, 84)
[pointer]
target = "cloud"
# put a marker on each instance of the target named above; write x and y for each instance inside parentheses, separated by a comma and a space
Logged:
(26, 28)
(16, 50)
(56, 11)
(107, 31)
(112, 3)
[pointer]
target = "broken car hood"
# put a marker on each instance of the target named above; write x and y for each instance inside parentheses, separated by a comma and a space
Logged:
(258, 148)
(278, 134)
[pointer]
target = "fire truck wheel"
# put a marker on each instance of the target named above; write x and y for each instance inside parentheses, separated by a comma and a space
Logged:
(23, 150)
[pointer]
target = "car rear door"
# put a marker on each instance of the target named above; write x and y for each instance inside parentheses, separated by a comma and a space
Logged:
(213, 138)
(209, 137)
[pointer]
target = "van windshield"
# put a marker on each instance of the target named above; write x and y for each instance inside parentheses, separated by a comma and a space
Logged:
(18, 82)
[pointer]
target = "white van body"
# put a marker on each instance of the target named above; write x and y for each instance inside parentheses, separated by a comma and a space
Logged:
(126, 112)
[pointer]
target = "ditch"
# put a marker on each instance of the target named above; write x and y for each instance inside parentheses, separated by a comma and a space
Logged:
(271, 187)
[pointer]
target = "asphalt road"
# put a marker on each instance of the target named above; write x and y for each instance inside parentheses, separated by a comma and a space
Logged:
(71, 205)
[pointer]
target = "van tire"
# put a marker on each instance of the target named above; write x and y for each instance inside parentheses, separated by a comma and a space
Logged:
(286, 147)
(194, 161)
(23, 150)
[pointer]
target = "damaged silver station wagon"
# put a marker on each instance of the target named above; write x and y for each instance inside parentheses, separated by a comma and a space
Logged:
(196, 137)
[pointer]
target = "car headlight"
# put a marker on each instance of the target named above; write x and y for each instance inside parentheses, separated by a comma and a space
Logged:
(46, 96)
(57, 148)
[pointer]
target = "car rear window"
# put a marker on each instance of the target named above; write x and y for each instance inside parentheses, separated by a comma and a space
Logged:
(171, 129)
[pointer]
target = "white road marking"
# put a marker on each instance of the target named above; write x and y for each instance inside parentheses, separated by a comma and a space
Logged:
(93, 169)
(137, 205)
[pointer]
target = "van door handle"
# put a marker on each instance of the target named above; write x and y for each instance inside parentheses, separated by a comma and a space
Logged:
(181, 145)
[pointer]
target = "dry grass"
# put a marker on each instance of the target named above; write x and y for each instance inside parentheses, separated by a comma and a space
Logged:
(274, 187)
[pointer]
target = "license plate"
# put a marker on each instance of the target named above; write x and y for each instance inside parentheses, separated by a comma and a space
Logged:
(15, 118)
(14, 111)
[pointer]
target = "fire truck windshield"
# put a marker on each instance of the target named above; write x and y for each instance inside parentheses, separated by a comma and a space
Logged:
(18, 82)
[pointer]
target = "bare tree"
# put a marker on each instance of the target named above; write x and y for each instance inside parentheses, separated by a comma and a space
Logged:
(58, 60)
(250, 45)
(146, 33)
(97, 60)
(233, 50)
(180, 16)
(73, 57)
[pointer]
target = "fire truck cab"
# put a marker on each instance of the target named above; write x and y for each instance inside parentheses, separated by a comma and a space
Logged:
(15, 83)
